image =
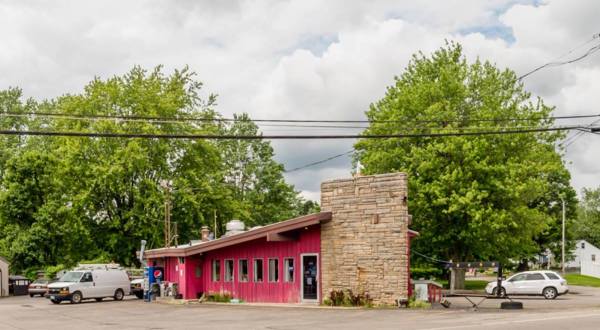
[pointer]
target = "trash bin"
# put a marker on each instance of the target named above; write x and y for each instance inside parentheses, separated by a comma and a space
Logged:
(426, 290)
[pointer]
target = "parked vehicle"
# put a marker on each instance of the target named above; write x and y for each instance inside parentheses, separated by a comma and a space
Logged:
(90, 282)
(137, 287)
(545, 283)
(39, 286)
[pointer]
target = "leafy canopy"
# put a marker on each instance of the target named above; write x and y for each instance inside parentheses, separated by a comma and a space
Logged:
(472, 197)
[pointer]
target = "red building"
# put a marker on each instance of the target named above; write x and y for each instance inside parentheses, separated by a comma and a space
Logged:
(360, 242)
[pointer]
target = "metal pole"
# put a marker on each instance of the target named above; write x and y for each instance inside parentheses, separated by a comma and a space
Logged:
(563, 235)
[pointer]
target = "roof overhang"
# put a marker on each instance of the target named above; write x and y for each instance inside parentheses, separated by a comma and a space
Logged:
(272, 232)
(413, 233)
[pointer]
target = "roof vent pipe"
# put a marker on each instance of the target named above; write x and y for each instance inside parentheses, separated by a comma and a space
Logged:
(204, 233)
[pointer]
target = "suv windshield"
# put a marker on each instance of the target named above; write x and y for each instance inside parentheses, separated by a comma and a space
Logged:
(71, 277)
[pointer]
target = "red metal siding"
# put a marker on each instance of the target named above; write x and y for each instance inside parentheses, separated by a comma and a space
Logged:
(309, 241)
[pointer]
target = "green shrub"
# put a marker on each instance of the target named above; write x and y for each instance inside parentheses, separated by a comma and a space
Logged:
(418, 304)
(347, 298)
(425, 272)
(52, 270)
(223, 297)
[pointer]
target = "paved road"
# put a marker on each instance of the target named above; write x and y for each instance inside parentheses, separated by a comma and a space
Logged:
(572, 312)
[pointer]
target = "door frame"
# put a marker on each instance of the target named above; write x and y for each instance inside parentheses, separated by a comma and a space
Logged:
(317, 279)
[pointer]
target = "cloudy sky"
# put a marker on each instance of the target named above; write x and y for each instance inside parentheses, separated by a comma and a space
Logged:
(304, 59)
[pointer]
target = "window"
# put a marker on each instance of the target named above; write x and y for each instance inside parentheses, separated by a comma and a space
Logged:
(243, 270)
(258, 270)
(87, 277)
(228, 270)
(593, 257)
(273, 270)
(216, 270)
(552, 276)
(583, 245)
(519, 277)
(198, 271)
(288, 269)
(535, 277)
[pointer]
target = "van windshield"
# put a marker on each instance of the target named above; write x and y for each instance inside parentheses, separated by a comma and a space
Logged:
(71, 277)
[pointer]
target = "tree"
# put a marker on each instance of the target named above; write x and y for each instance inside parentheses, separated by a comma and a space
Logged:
(486, 197)
(256, 180)
(67, 199)
(587, 224)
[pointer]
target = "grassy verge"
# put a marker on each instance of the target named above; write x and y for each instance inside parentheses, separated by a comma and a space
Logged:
(469, 284)
(583, 280)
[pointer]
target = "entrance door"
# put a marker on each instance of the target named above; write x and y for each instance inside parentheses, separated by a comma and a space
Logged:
(310, 276)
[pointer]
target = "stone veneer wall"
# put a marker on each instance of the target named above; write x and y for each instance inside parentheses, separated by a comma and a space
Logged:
(364, 246)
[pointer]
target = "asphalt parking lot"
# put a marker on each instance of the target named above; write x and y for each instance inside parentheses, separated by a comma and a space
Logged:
(573, 311)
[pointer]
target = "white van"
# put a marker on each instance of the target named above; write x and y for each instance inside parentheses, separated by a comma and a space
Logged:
(90, 282)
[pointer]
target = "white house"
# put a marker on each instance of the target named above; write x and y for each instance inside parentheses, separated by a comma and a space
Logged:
(587, 259)
(3, 277)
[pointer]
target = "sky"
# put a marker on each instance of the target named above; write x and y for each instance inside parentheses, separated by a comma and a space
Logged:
(305, 59)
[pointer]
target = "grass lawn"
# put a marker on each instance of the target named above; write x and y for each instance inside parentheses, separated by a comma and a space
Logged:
(469, 285)
(583, 280)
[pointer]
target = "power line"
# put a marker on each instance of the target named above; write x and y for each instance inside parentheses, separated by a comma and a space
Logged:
(279, 137)
(430, 258)
(559, 63)
(319, 162)
(158, 119)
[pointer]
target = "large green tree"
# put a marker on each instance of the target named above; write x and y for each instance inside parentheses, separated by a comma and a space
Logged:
(482, 197)
(64, 199)
(587, 224)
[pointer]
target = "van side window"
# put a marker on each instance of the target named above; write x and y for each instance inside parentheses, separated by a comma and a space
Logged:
(87, 277)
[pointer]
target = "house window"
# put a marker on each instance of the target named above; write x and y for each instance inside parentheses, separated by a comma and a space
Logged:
(228, 270)
(273, 270)
(593, 257)
(243, 270)
(583, 245)
(288, 269)
(216, 270)
(258, 270)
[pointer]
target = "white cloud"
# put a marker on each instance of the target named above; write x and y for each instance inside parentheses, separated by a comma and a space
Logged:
(301, 59)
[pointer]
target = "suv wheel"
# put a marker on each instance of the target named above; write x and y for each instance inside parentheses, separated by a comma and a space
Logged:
(502, 292)
(550, 293)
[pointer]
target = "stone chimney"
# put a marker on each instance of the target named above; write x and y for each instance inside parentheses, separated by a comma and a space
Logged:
(204, 232)
(365, 245)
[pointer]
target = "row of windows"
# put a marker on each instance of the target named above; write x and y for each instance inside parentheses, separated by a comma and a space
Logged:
(242, 276)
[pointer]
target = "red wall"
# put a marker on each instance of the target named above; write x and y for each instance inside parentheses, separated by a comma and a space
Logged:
(308, 242)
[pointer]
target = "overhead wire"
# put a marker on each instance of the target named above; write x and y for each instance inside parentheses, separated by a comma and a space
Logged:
(319, 162)
(160, 119)
(559, 63)
(279, 137)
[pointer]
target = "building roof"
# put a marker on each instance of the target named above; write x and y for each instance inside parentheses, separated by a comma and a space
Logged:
(270, 233)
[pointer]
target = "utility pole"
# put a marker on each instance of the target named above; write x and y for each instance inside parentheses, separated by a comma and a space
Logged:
(167, 228)
(563, 234)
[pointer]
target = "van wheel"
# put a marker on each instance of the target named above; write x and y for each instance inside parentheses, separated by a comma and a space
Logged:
(98, 299)
(119, 294)
(76, 297)
(550, 293)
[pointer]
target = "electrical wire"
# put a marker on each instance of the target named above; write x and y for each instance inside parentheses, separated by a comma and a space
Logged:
(319, 162)
(158, 119)
(279, 137)
(559, 63)
(428, 257)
